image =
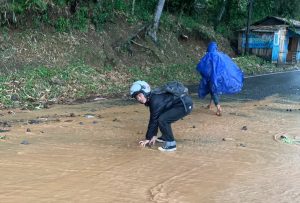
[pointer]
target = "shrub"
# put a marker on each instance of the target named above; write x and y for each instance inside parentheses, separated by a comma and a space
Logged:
(62, 24)
(80, 19)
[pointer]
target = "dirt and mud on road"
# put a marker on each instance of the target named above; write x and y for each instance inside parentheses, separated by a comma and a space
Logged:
(90, 153)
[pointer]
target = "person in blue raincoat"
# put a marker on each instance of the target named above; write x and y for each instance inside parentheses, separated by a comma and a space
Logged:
(220, 75)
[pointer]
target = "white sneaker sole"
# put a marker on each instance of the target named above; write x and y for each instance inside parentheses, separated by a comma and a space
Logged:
(166, 150)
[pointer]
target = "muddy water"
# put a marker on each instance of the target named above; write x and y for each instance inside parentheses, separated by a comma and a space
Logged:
(88, 153)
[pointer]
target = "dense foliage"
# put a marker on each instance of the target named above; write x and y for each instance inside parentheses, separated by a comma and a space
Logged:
(64, 15)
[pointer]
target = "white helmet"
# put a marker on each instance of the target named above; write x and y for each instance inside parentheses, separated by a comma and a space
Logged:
(139, 87)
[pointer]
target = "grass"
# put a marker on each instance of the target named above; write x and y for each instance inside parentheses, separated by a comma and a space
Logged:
(37, 87)
(252, 65)
(157, 75)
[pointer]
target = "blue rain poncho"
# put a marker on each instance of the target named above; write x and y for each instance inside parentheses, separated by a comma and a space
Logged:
(220, 75)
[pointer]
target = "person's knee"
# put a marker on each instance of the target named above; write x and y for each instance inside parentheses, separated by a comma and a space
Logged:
(162, 121)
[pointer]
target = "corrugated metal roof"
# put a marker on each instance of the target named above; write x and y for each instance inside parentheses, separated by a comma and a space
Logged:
(295, 23)
(284, 21)
(256, 27)
(265, 28)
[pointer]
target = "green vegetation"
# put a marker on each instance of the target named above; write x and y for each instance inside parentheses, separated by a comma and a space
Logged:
(38, 87)
(158, 75)
(255, 65)
(80, 19)
(81, 13)
(62, 24)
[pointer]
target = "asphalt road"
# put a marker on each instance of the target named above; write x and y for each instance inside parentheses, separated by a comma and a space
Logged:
(285, 85)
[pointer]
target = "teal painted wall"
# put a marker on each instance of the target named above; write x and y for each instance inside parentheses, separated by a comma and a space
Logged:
(275, 51)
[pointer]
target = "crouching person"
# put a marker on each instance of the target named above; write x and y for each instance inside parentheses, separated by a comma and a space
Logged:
(165, 108)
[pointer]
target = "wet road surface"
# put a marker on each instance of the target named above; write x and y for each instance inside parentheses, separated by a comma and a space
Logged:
(285, 85)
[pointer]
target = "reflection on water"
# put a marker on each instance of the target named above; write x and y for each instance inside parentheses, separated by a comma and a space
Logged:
(75, 158)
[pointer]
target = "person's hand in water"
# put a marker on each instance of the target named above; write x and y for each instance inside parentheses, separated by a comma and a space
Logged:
(152, 141)
(143, 143)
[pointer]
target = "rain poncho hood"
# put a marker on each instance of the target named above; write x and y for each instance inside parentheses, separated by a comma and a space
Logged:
(220, 75)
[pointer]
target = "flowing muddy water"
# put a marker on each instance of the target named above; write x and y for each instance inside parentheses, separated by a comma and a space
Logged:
(89, 153)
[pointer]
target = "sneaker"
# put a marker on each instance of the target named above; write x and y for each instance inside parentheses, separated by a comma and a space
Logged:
(160, 139)
(167, 149)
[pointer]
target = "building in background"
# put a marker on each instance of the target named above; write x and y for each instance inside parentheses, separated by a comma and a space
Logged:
(273, 38)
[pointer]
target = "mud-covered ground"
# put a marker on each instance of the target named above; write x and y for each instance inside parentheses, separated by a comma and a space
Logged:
(89, 153)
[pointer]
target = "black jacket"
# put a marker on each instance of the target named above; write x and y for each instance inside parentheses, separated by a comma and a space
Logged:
(160, 103)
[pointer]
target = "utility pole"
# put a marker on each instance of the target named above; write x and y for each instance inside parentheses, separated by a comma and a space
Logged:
(250, 6)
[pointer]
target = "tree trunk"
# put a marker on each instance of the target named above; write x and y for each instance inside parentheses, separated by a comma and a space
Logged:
(133, 4)
(154, 27)
(222, 11)
(250, 5)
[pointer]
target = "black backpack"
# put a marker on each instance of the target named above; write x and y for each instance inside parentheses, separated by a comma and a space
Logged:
(177, 89)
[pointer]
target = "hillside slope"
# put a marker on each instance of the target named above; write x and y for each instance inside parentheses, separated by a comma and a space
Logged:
(45, 47)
